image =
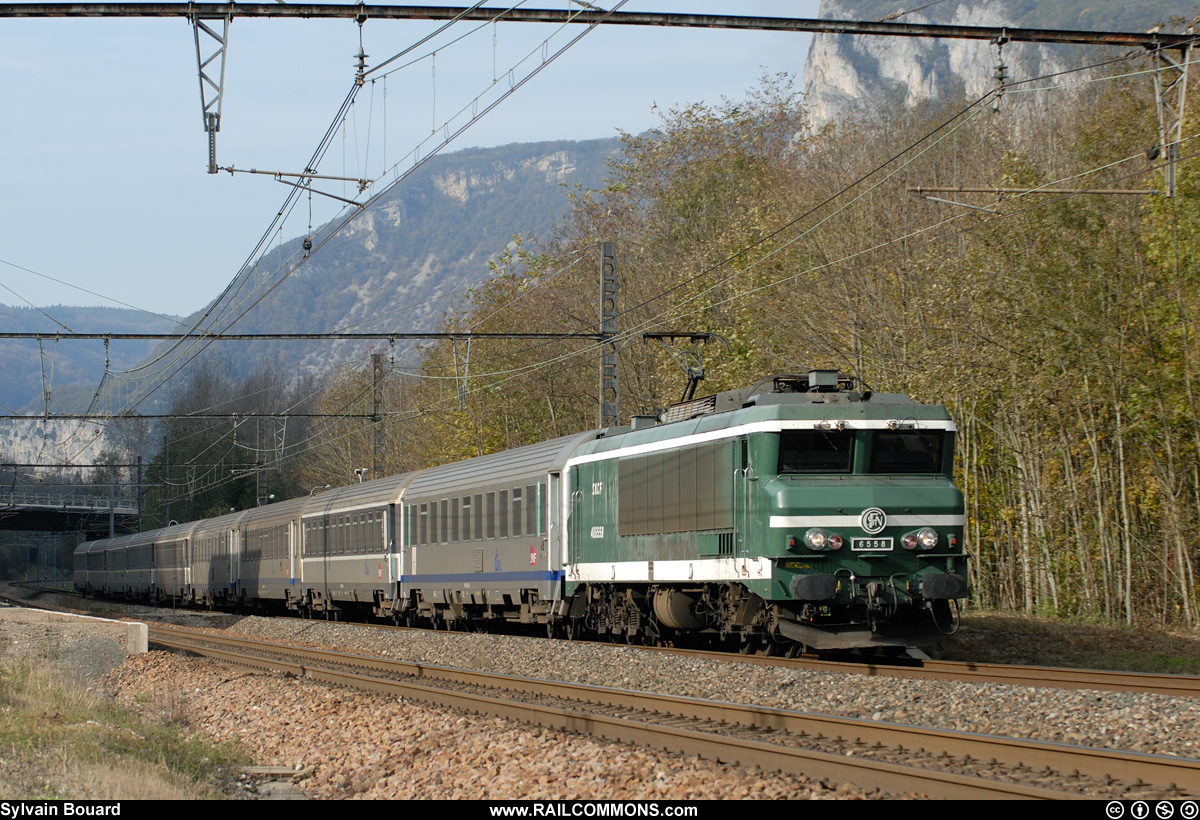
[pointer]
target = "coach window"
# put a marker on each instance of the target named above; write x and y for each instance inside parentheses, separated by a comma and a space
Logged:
(478, 506)
(503, 513)
(489, 515)
(530, 499)
(543, 508)
(516, 511)
(466, 518)
(454, 520)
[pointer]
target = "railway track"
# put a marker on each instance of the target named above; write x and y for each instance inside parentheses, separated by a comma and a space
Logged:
(965, 672)
(925, 669)
(893, 758)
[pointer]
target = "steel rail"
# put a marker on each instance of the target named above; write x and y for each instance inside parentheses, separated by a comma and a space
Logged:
(1060, 678)
(1178, 775)
(971, 672)
(561, 16)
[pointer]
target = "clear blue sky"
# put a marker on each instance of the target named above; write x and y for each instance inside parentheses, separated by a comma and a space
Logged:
(103, 155)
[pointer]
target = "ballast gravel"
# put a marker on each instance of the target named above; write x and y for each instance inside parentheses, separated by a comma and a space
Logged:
(346, 743)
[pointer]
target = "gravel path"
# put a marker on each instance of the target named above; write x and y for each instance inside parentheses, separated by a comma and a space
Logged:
(356, 744)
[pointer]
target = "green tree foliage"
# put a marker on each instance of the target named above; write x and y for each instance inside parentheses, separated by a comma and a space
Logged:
(238, 451)
(1061, 330)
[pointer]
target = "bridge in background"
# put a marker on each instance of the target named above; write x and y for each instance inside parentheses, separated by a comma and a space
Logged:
(52, 512)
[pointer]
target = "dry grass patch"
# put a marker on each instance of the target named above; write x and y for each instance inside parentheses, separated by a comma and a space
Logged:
(59, 741)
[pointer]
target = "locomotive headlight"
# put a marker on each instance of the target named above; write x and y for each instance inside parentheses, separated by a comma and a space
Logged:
(818, 539)
(909, 541)
(927, 539)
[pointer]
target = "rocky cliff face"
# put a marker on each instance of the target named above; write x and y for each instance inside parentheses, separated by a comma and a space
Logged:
(851, 75)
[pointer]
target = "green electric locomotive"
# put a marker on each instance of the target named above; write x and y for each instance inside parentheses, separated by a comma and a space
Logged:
(798, 512)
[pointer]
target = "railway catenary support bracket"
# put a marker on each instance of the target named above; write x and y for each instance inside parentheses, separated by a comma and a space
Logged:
(1170, 97)
(212, 91)
(1170, 94)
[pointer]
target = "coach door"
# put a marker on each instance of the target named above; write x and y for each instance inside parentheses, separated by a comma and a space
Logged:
(293, 553)
(395, 555)
(186, 557)
(549, 521)
(235, 561)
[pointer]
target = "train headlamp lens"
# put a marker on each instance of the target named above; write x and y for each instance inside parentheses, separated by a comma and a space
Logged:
(927, 538)
(834, 542)
(815, 539)
(909, 541)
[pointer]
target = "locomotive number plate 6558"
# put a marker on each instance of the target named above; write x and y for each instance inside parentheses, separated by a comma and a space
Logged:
(870, 544)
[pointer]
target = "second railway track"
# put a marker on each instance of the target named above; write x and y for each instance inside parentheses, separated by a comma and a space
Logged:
(967, 672)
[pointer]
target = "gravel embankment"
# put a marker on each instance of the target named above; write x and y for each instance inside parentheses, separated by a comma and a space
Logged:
(364, 745)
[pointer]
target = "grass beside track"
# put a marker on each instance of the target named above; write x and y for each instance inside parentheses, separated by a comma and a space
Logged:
(60, 741)
(991, 637)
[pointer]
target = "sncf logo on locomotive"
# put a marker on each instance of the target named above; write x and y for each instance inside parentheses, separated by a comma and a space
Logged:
(873, 520)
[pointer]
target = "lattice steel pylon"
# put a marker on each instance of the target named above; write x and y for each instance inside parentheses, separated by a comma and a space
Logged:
(378, 397)
(1170, 96)
(610, 382)
(212, 91)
